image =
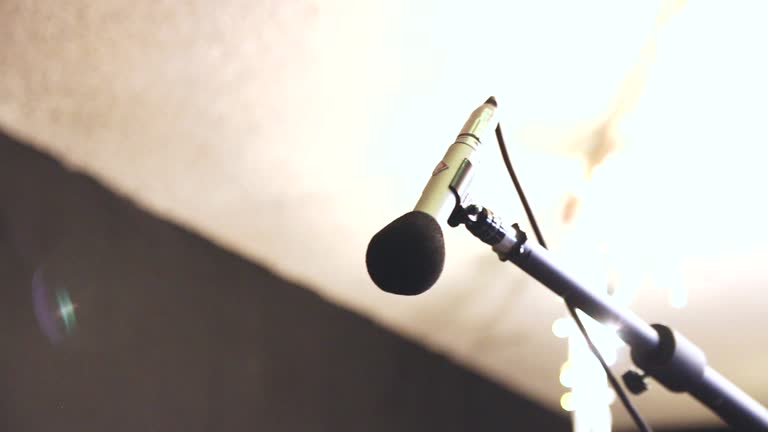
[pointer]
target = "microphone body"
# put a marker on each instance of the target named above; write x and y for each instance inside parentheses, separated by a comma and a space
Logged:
(451, 177)
(406, 257)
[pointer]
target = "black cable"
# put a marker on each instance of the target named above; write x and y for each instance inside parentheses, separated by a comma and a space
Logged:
(518, 188)
(641, 424)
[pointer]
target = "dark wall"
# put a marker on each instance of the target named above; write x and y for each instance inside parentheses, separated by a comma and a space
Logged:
(174, 334)
(696, 429)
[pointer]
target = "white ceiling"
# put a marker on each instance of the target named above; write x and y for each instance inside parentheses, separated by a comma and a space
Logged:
(291, 131)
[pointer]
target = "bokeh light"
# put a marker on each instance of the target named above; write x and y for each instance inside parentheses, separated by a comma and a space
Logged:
(566, 401)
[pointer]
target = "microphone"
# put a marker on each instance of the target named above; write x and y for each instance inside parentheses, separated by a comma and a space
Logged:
(406, 257)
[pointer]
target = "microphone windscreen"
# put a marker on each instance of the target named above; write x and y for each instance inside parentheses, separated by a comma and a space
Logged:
(406, 257)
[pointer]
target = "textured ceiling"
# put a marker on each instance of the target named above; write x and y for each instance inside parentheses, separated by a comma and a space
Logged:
(291, 131)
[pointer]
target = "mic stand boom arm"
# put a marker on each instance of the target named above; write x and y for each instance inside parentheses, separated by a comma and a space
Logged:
(659, 351)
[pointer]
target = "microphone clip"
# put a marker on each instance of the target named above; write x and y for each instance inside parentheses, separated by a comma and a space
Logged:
(489, 228)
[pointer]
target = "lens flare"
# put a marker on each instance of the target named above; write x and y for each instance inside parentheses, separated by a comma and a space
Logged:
(54, 309)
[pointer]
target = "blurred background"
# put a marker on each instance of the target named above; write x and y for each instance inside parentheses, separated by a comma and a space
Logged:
(188, 189)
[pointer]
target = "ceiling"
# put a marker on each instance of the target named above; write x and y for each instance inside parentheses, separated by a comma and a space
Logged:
(291, 131)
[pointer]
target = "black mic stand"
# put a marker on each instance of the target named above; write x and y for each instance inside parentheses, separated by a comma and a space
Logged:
(659, 351)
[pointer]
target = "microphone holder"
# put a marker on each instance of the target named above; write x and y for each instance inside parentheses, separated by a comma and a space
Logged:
(659, 351)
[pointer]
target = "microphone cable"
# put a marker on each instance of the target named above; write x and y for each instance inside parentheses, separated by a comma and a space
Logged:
(636, 417)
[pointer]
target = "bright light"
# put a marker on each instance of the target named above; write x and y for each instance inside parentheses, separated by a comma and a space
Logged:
(609, 356)
(566, 375)
(672, 281)
(566, 401)
(563, 327)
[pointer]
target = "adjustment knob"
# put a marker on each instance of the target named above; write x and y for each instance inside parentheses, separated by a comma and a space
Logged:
(635, 382)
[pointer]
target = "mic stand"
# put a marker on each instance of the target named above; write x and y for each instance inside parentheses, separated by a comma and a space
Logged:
(659, 351)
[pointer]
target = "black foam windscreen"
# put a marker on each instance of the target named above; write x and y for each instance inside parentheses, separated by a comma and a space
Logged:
(406, 257)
